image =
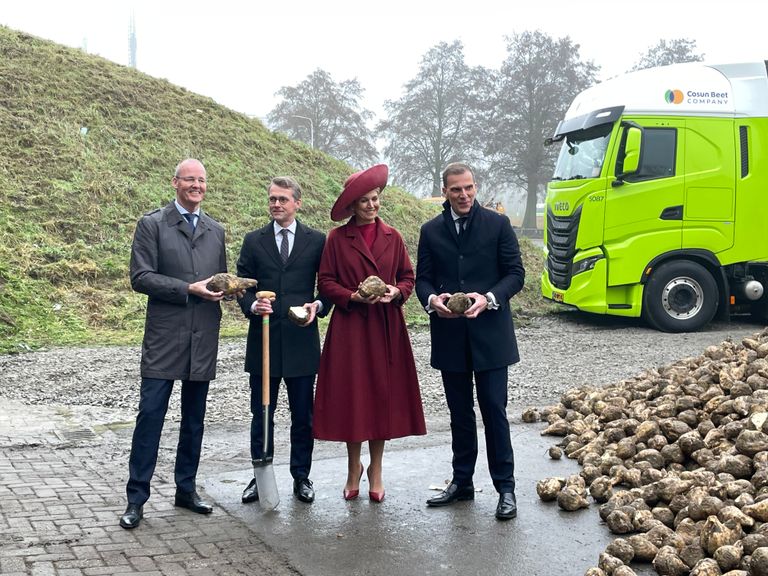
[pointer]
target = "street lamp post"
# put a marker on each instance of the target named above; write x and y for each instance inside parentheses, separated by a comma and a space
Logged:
(311, 130)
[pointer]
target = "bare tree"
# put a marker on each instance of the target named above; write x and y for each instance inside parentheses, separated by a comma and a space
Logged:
(536, 84)
(667, 52)
(328, 116)
(429, 126)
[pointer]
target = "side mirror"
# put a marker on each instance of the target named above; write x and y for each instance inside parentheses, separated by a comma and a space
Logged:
(629, 153)
(632, 150)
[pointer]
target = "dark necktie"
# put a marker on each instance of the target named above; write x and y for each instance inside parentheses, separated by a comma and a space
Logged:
(284, 245)
(462, 222)
(190, 218)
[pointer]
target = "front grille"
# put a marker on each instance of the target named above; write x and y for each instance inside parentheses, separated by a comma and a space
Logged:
(561, 245)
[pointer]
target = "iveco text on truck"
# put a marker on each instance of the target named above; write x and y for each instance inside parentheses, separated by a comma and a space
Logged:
(659, 202)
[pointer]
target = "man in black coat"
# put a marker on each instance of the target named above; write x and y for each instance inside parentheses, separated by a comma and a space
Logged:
(473, 250)
(175, 252)
(284, 257)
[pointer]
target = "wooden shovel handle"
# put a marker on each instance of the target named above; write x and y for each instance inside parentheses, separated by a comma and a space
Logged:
(265, 348)
(265, 360)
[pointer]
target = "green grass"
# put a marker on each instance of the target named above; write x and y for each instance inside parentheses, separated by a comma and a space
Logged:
(70, 197)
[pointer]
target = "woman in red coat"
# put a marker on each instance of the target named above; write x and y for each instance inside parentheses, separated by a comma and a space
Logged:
(367, 388)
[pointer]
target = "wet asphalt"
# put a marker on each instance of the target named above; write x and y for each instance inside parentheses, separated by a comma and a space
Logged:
(402, 536)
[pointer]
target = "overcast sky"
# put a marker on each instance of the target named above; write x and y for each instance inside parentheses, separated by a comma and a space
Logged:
(241, 53)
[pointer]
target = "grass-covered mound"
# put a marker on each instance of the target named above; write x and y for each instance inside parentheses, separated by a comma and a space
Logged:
(87, 146)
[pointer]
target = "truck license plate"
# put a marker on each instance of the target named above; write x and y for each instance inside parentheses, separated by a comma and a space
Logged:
(557, 296)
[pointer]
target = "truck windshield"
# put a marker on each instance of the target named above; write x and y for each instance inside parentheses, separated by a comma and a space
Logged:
(582, 154)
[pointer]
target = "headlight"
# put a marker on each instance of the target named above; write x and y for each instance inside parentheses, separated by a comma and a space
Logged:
(586, 264)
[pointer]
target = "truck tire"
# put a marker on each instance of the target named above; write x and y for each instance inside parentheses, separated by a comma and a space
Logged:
(680, 296)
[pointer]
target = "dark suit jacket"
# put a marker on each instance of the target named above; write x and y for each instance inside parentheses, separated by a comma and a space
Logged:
(485, 259)
(181, 334)
(294, 350)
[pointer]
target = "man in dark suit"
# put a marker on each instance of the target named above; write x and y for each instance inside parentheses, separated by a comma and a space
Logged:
(473, 250)
(284, 257)
(175, 252)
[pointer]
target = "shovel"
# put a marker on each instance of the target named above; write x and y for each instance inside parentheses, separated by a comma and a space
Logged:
(262, 469)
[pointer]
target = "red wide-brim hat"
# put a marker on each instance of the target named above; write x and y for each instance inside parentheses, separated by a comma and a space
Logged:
(357, 185)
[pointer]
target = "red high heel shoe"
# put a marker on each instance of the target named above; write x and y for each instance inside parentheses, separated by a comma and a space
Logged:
(352, 494)
(373, 495)
(376, 496)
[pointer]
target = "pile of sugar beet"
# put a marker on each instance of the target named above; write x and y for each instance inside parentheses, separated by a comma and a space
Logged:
(677, 458)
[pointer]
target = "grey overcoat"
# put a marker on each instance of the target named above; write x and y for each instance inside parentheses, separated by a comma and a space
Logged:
(181, 333)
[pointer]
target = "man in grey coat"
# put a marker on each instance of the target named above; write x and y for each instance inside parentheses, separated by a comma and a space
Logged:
(175, 252)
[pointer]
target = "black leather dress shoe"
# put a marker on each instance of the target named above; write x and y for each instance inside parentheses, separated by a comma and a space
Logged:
(453, 493)
(507, 507)
(192, 501)
(132, 516)
(303, 490)
(251, 493)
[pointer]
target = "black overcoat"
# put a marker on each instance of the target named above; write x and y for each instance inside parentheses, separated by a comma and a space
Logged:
(485, 259)
(294, 350)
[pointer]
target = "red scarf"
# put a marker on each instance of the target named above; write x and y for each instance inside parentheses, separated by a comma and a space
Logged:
(368, 232)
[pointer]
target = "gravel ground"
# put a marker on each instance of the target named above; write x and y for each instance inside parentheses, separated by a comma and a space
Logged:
(98, 388)
(557, 352)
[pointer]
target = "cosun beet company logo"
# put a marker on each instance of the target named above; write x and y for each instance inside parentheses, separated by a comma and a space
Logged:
(673, 96)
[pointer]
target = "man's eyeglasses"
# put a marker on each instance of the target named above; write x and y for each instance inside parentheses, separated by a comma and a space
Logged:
(190, 179)
(282, 200)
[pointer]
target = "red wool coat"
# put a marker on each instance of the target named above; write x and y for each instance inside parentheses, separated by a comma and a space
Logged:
(367, 388)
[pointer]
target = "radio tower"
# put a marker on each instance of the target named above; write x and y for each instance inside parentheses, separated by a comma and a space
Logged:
(132, 43)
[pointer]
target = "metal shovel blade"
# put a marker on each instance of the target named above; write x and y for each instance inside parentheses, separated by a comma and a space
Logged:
(264, 473)
(266, 484)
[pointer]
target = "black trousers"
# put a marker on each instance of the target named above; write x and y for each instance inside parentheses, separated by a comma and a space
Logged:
(491, 388)
(300, 400)
(153, 406)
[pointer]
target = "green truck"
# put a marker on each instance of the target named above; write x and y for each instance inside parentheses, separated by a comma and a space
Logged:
(658, 206)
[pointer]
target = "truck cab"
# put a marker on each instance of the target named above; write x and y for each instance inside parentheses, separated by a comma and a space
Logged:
(658, 205)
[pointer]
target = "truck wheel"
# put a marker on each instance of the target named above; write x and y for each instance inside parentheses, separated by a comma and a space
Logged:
(680, 296)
